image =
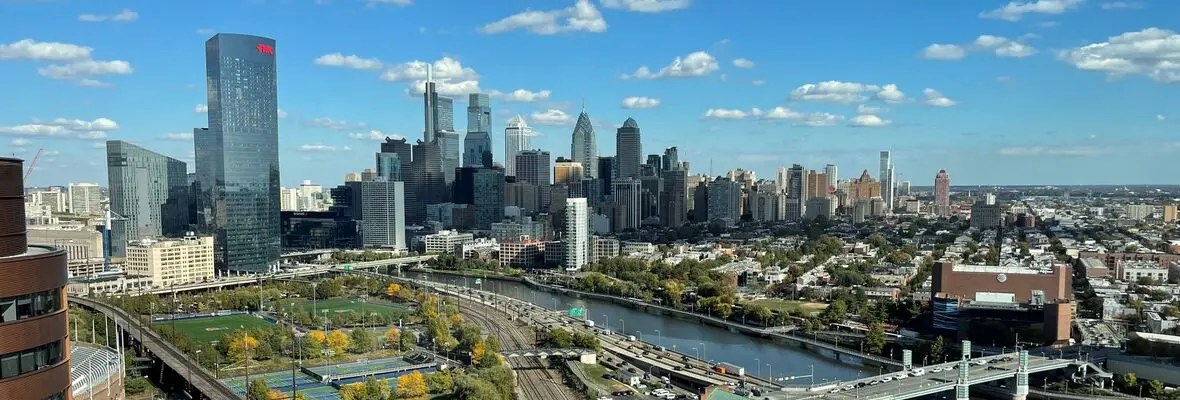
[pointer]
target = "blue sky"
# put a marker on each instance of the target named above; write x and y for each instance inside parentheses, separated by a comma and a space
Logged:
(1038, 92)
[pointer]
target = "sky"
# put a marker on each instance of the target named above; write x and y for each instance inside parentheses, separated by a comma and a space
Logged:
(1023, 92)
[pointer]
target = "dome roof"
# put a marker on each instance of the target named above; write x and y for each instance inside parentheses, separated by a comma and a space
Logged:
(630, 123)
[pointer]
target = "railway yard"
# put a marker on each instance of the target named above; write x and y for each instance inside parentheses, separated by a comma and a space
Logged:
(534, 377)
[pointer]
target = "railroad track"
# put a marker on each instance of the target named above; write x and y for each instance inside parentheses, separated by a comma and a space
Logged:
(535, 379)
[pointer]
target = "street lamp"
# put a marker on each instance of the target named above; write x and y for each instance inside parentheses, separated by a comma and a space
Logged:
(704, 349)
(659, 338)
(771, 369)
(698, 352)
(759, 362)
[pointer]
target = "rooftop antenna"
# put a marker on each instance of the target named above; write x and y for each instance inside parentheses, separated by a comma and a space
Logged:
(583, 105)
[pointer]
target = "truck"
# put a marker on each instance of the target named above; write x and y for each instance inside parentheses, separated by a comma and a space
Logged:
(731, 369)
(589, 323)
(631, 338)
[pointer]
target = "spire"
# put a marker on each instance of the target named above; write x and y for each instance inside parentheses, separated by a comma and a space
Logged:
(583, 105)
(429, 72)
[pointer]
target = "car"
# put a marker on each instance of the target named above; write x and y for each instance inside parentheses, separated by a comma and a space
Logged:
(936, 369)
(917, 372)
(848, 387)
(979, 362)
(887, 379)
(901, 376)
(836, 390)
(874, 382)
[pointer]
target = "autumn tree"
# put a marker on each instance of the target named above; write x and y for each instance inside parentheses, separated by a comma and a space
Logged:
(338, 342)
(318, 336)
(477, 353)
(393, 337)
(393, 290)
(412, 385)
(242, 347)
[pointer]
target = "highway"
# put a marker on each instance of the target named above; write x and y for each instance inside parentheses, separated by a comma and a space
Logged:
(205, 383)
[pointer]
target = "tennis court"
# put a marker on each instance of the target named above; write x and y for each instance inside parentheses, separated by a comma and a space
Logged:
(329, 306)
(210, 329)
(360, 367)
(281, 381)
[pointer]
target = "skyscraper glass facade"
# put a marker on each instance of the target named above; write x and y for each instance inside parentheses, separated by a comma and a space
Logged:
(584, 148)
(241, 187)
(479, 113)
(146, 190)
(628, 150)
(516, 140)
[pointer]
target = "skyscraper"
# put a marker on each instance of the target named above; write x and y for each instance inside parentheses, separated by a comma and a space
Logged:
(577, 233)
(606, 176)
(532, 166)
(479, 113)
(425, 180)
(674, 204)
(516, 140)
(628, 149)
(797, 202)
(439, 110)
(394, 160)
(568, 172)
(885, 176)
(942, 193)
(725, 201)
(831, 171)
(449, 157)
(584, 148)
(627, 202)
(488, 197)
(243, 193)
(671, 159)
(383, 213)
(142, 186)
(85, 198)
(477, 145)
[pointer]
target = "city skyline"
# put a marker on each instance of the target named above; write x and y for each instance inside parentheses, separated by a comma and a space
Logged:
(996, 116)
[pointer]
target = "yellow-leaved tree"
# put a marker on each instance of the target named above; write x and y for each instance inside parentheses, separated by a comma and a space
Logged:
(393, 336)
(477, 352)
(319, 337)
(412, 385)
(393, 290)
(242, 346)
(338, 342)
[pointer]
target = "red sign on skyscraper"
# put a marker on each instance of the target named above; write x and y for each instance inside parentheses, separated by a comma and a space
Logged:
(266, 49)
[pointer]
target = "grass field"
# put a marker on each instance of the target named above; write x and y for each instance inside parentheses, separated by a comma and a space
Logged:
(783, 305)
(347, 306)
(210, 329)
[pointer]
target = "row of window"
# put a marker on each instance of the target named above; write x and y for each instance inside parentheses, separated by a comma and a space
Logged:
(30, 360)
(29, 305)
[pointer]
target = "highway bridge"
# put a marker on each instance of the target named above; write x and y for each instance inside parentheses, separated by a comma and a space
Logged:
(200, 381)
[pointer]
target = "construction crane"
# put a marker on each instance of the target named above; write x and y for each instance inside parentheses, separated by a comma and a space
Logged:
(33, 164)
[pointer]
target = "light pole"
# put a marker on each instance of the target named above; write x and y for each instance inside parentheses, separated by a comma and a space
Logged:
(698, 352)
(659, 338)
(771, 369)
(704, 350)
(759, 362)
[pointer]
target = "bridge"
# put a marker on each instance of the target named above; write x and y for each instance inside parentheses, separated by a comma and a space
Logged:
(202, 383)
(546, 352)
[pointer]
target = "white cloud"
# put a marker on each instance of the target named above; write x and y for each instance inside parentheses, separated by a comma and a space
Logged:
(321, 148)
(936, 99)
(697, 63)
(730, 113)
(329, 123)
(19, 142)
(1003, 46)
(399, 3)
(350, 61)
(820, 119)
(521, 95)
(582, 16)
(757, 82)
(647, 6)
(450, 77)
(1031, 151)
(947, 52)
(282, 114)
(846, 92)
(1153, 52)
(552, 116)
(200, 108)
(743, 63)
(868, 120)
(86, 68)
(890, 94)
(93, 83)
(64, 128)
(640, 102)
(1015, 10)
(101, 145)
(1160, 117)
(446, 88)
(777, 113)
(28, 49)
(867, 109)
(123, 16)
(1118, 5)
(178, 136)
(372, 135)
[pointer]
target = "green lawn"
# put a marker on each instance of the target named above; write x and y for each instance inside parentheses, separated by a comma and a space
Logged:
(210, 329)
(786, 306)
(328, 306)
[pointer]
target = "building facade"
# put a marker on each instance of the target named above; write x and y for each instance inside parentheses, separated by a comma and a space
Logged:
(942, 193)
(516, 139)
(85, 198)
(628, 149)
(383, 214)
(171, 262)
(149, 194)
(584, 149)
(577, 233)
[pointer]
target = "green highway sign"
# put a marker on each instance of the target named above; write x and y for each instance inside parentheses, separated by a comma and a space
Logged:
(348, 267)
(577, 312)
(478, 281)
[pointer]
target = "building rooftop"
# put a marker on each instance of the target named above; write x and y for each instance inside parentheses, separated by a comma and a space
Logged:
(997, 269)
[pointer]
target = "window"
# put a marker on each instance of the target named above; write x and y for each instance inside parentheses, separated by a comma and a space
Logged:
(26, 361)
(29, 305)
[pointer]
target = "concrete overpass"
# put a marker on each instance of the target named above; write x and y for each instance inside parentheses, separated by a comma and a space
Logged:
(201, 382)
(546, 352)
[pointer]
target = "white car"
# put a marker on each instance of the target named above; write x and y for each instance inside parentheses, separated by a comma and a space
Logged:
(901, 376)
(917, 372)
(887, 379)
(980, 362)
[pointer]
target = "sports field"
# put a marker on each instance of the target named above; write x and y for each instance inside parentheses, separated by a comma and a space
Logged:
(361, 366)
(330, 306)
(281, 381)
(210, 329)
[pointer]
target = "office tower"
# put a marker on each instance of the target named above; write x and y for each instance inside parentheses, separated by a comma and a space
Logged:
(516, 140)
(85, 198)
(725, 201)
(627, 202)
(369, 174)
(885, 176)
(797, 193)
(890, 190)
(566, 171)
(383, 213)
(394, 160)
(674, 207)
(817, 184)
(353, 177)
(426, 181)
(477, 150)
(990, 199)
(942, 193)
(584, 148)
(671, 159)
(489, 197)
(606, 176)
(831, 171)
(479, 113)
(700, 202)
(288, 199)
(522, 194)
(33, 321)
(904, 188)
(439, 110)
(532, 166)
(243, 193)
(655, 162)
(448, 145)
(142, 186)
(577, 233)
(628, 149)
(649, 198)
(310, 197)
(782, 180)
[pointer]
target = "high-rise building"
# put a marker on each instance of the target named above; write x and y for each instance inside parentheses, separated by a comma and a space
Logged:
(782, 179)
(489, 197)
(584, 148)
(566, 171)
(426, 181)
(832, 173)
(628, 149)
(817, 184)
(674, 207)
(890, 190)
(627, 202)
(149, 191)
(394, 160)
(33, 320)
(479, 113)
(725, 201)
(942, 193)
(449, 157)
(516, 140)
(885, 177)
(85, 198)
(244, 121)
(606, 176)
(671, 159)
(577, 233)
(865, 187)
(532, 166)
(439, 110)
(383, 211)
(797, 193)
(477, 150)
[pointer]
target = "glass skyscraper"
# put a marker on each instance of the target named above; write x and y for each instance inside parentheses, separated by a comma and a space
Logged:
(238, 157)
(479, 113)
(584, 148)
(477, 146)
(148, 190)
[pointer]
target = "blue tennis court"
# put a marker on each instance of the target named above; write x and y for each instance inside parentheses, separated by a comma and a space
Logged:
(360, 367)
(281, 381)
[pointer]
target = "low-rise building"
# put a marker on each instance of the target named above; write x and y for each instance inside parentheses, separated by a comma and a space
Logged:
(484, 249)
(603, 248)
(1093, 268)
(446, 242)
(1132, 271)
(171, 261)
(522, 253)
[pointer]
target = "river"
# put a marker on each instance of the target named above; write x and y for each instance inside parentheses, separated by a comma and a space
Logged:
(759, 356)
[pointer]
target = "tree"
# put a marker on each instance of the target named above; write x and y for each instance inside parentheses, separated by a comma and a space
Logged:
(1155, 388)
(1127, 381)
(362, 341)
(338, 342)
(875, 339)
(937, 349)
(393, 290)
(257, 390)
(439, 382)
(470, 387)
(242, 347)
(477, 353)
(560, 338)
(408, 341)
(310, 346)
(393, 337)
(318, 336)
(411, 385)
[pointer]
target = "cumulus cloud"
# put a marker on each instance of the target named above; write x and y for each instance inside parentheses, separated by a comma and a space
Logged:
(321, 148)
(1122, 5)
(323, 122)
(19, 142)
(1016, 10)
(647, 6)
(1003, 47)
(890, 94)
(200, 108)
(86, 68)
(868, 121)
(1152, 52)
(521, 95)
(776, 113)
(29, 49)
(582, 16)
(867, 109)
(450, 77)
(372, 135)
(1031, 151)
(640, 102)
(697, 63)
(847, 92)
(64, 128)
(936, 99)
(552, 116)
(123, 16)
(350, 61)
(948, 52)
(743, 63)
(178, 136)
(93, 83)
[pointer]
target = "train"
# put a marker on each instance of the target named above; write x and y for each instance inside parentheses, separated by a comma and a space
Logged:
(730, 369)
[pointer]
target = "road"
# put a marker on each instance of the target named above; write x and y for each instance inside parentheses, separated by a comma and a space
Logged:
(535, 380)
